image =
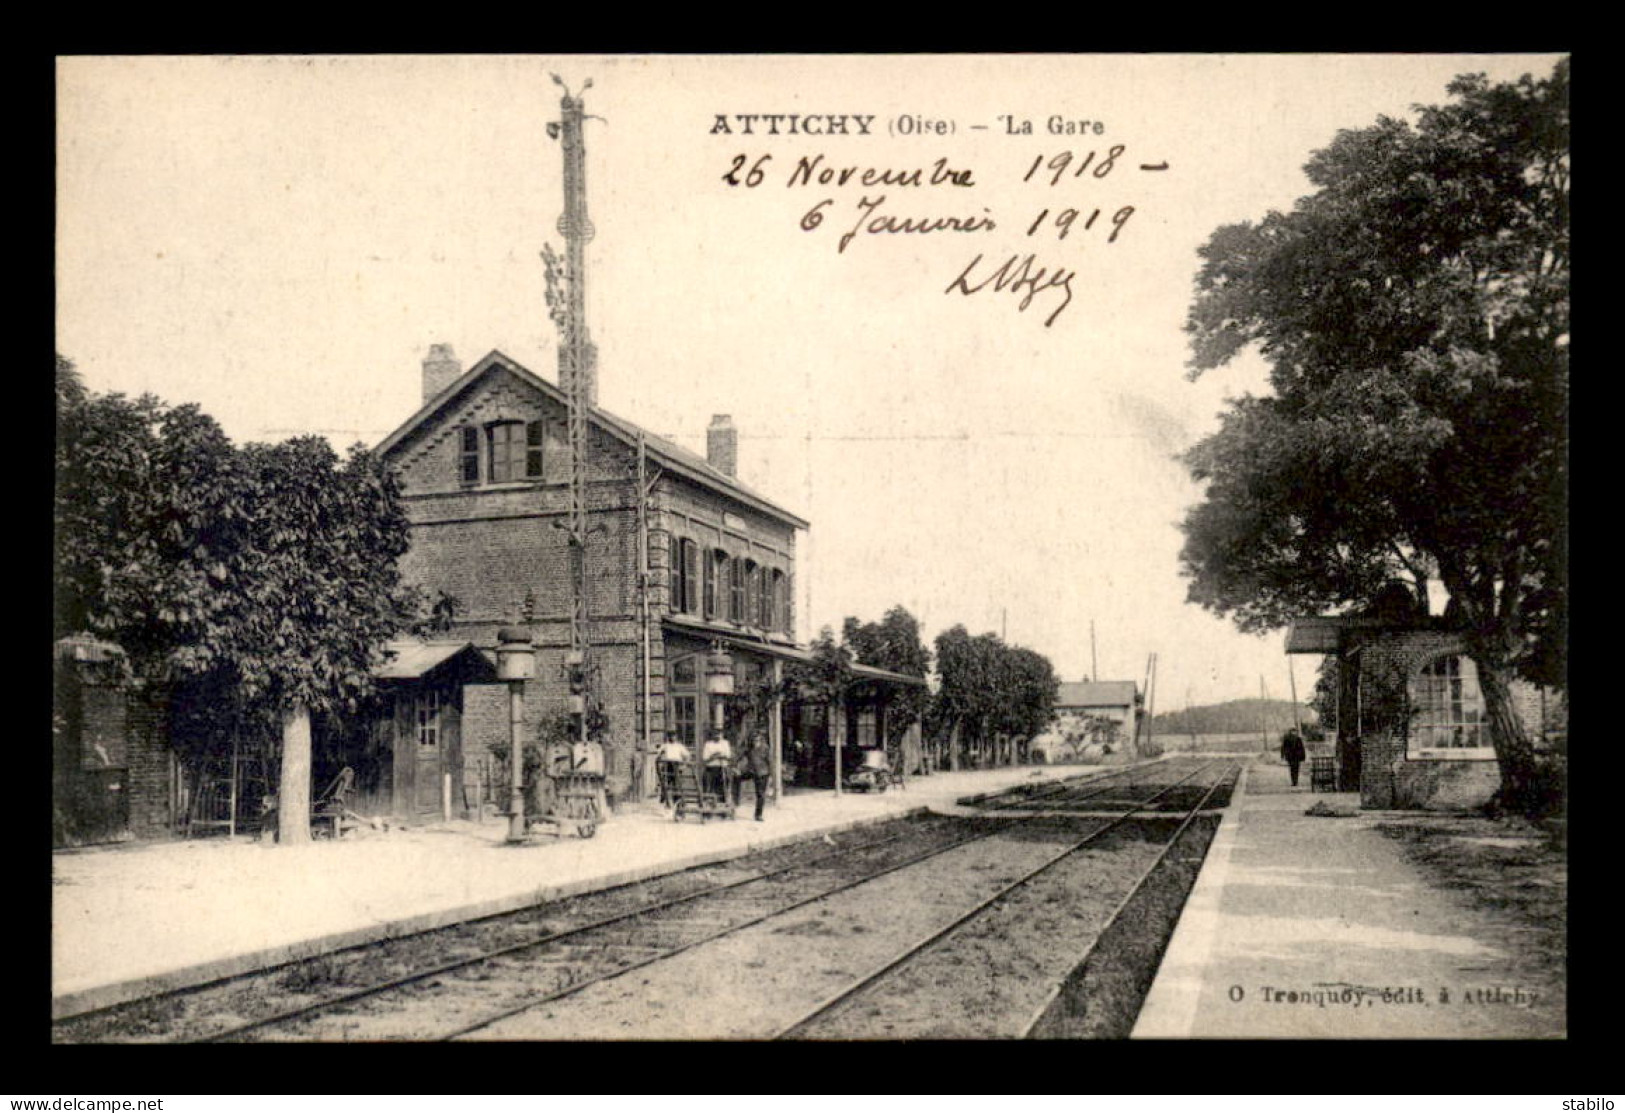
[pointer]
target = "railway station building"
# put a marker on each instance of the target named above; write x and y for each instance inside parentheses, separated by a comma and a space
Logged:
(1411, 729)
(691, 585)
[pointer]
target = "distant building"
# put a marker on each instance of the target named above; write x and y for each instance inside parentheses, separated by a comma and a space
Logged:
(1097, 712)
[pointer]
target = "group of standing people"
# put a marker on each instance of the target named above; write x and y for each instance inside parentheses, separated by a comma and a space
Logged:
(717, 757)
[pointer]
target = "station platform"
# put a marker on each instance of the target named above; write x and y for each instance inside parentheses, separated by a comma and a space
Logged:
(132, 919)
(1317, 927)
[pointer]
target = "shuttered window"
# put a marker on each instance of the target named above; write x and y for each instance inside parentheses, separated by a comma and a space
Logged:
(535, 432)
(691, 579)
(736, 592)
(715, 562)
(506, 452)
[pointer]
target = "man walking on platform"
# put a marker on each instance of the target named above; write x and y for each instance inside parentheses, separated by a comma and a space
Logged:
(1292, 753)
(753, 762)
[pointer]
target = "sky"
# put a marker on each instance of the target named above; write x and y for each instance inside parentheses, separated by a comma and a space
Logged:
(281, 239)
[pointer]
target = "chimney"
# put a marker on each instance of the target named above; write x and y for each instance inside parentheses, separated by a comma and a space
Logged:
(441, 368)
(722, 444)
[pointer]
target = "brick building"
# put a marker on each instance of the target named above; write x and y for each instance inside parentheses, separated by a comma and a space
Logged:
(1411, 730)
(683, 560)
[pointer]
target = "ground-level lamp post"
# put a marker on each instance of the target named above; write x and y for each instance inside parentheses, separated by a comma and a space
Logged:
(516, 663)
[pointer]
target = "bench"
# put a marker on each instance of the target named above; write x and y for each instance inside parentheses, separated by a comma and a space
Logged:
(1322, 773)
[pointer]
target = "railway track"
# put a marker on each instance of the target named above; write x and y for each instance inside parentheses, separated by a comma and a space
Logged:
(833, 1017)
(806, 973)
(469, 981)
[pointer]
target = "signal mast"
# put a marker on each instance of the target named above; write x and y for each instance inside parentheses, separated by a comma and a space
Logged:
(578, 378)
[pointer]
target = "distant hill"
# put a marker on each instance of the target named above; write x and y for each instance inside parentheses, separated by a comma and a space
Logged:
(1239, 716)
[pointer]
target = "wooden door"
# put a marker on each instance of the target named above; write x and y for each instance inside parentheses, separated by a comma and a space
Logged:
(430, 746)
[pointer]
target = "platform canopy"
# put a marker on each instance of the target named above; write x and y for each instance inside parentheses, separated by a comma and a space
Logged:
(781, 650)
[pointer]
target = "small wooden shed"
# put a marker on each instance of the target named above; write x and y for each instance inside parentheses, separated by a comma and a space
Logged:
(420, 732)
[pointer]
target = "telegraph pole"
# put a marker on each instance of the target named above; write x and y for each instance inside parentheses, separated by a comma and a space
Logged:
(567, 305)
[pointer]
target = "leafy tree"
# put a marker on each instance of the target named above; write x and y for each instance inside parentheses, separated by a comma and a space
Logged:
(258, 583)
(149, 526)
(1324, 697)
(988, 688)
(1414, 314)
(1028, 692)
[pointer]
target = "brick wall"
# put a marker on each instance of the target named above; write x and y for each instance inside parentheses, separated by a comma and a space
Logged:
(1390, 779)
(151, 765)
(490, 545)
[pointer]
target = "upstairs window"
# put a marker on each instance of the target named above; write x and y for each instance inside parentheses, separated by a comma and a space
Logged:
(716, 568)
(512, 451)
(781, 601)
(534, 433)
(691, 577)
(736, 592)
(507, 451)
(684, 575)
(753, 593)
(769, 599)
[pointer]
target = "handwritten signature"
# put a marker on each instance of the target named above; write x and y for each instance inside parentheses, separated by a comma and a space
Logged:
(1020, 275)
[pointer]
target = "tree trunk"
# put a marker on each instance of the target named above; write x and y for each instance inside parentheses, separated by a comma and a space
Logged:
(1520, 789)
(293, 794)
(953, 748)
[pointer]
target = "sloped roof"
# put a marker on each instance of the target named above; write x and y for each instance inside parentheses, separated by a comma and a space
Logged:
(409, 660)
(672, 456)
(1096, 693)
(1326, 633)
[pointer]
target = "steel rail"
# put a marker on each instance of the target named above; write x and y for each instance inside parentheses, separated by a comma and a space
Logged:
(1122, 905)
(377, 988)
(673, 952)
(1064, 785)
(577, 987)
(906, 955)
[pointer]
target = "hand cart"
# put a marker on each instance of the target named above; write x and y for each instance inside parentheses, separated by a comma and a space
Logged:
(578, 803)
(702, 791)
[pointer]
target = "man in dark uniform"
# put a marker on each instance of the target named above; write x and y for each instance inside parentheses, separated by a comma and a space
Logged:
(753, 762)
(1292, 753)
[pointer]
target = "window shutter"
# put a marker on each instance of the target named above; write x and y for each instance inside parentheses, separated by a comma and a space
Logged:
(535, 436)
(691, 602)
(674, 574)
(469, 455)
